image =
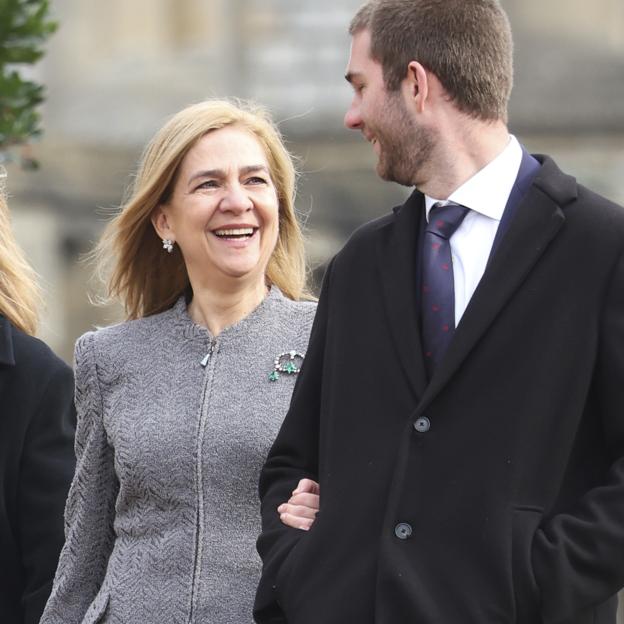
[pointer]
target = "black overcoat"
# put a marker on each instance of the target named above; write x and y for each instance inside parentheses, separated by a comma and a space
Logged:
(36, 466)
(492, 494)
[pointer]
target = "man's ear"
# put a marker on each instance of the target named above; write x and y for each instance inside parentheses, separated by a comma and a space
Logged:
(417, 82)
(160, 221)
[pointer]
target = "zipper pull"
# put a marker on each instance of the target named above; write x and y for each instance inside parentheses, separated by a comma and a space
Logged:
(206, 359)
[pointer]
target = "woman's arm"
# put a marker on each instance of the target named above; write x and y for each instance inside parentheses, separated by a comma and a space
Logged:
(90, 508)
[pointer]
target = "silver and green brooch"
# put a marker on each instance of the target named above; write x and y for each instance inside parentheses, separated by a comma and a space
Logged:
(286, 364)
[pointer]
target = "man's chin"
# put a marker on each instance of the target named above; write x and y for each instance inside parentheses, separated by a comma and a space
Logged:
(383, 171)
(390, 175)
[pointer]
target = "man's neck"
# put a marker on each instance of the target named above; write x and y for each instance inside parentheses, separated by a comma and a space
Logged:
(463, 150)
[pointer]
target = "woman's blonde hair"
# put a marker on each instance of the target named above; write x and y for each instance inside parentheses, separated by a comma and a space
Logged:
(20, 297)
(129, 254)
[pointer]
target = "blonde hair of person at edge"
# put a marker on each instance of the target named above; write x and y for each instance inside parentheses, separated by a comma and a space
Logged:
(179, 405)
(36, 440)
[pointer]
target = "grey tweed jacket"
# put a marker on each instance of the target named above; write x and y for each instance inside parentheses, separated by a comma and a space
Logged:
(173, 428)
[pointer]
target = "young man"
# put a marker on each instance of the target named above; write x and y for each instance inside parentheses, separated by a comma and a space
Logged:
(462, 399)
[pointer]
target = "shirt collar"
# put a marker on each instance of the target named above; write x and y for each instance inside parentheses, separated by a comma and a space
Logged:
(487, 191)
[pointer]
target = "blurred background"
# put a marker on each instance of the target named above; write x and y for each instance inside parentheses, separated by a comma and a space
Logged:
(115, 70)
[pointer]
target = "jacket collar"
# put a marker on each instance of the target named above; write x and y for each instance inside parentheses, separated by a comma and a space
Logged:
(7, 354)
(257, 317)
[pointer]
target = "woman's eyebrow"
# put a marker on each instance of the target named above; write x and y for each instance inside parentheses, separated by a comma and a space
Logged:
(220, 173)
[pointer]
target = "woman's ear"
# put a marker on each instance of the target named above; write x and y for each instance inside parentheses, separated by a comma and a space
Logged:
(160, 221)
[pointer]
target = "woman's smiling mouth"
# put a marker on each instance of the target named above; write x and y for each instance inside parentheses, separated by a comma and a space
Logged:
(235, 233)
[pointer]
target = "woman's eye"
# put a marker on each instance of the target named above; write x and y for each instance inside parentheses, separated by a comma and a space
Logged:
(208, 184)
(256, 180)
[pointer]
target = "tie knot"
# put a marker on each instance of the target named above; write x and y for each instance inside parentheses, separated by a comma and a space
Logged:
(444, 219)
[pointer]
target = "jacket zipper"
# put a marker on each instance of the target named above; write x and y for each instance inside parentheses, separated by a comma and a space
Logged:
(211, 348)
(208, 364)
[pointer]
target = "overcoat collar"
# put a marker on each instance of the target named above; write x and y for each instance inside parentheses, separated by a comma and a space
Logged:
(7, 355)
(397, 261)
(537, 221)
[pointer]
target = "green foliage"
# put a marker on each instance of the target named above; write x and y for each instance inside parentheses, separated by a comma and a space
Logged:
(24, 28)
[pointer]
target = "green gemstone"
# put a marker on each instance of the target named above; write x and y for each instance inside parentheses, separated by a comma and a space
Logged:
(290, 367)
(274, 376)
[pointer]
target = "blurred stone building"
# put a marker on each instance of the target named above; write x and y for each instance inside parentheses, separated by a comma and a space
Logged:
(116, 70)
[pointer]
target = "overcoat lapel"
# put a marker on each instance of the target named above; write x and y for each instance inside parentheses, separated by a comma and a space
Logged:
(537, 221)
(397, 260)
(7, 357)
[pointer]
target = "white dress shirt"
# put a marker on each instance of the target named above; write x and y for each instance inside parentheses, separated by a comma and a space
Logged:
(486, 194)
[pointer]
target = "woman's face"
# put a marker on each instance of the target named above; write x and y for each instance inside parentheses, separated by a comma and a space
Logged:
(223, 212)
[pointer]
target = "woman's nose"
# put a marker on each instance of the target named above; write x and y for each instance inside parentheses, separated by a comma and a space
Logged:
(236, 199)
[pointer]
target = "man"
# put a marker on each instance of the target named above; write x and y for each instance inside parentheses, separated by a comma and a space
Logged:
(462, 400)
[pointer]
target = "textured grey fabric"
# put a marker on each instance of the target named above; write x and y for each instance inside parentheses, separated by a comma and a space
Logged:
(162, 515)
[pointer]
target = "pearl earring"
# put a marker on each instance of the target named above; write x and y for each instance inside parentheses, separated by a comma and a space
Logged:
(167, 245)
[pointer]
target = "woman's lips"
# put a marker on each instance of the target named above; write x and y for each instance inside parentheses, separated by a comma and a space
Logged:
(236, 237)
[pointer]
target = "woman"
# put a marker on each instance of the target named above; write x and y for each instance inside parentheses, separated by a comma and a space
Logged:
(36, 442)
(177, 407)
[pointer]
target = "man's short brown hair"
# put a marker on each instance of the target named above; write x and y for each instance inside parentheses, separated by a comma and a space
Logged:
(467, 44)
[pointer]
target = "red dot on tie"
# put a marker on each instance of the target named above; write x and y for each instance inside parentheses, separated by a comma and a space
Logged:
(425, 289)
(435, 308)
(445, 328)
(445, 267)
(436, 246)
(428, 354)
(440, 224)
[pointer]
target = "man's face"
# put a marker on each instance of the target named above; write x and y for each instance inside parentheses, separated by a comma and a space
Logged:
(403, 147)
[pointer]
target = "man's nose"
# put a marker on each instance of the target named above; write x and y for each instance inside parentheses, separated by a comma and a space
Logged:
(352, 118)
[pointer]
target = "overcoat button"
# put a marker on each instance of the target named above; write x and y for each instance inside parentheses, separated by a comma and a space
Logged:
(422, 424)
(403, 530)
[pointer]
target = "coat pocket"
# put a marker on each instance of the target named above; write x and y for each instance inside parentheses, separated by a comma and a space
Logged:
(524, 524)
(97, 609)
(286, 573)
(288, 585)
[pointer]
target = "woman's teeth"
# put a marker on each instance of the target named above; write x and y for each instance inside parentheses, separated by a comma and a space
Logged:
(235, 233)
